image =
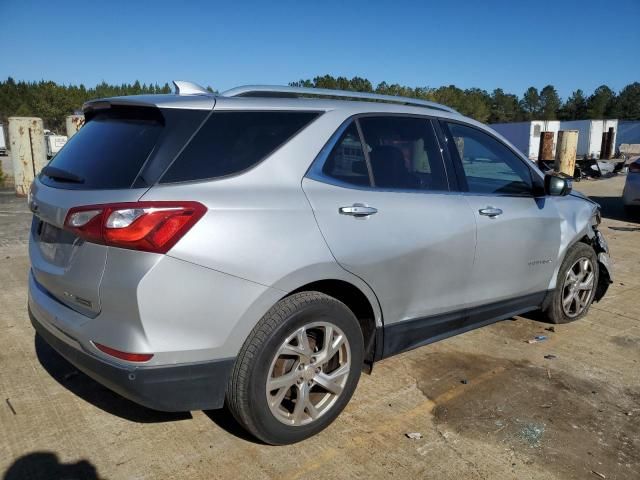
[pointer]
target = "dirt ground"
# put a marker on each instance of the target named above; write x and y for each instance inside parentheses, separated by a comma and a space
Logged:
(487, 404)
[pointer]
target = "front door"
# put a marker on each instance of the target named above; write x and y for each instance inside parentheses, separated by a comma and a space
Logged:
(518, 234)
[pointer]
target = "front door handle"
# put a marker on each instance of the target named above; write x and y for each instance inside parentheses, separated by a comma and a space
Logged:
(358, 210)
(491, 212)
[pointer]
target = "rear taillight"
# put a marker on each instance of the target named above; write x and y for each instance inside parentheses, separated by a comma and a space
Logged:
(148, 226)
(635, 167)
(130, 357)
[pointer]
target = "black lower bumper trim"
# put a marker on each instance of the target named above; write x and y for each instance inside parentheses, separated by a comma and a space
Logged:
(175, 388)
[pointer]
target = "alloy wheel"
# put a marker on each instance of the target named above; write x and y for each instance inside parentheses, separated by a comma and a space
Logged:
(578, 287)
(308, 373)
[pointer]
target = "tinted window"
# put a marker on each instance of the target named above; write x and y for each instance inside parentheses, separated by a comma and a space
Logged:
(489, 166)
(404, 153)
(346, 161)
(110, 149)
(231, 142)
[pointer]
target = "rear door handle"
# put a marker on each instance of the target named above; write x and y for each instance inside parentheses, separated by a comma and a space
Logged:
(358, 210)
(490, 212)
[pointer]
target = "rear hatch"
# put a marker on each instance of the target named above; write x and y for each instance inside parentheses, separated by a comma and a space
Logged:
(119, 153)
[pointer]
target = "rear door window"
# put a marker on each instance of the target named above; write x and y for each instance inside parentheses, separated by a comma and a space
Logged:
(404, 153)
(231, 142)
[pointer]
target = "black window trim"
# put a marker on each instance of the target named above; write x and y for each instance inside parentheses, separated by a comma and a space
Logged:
(458, 168)
(318, 113)
(315, 169)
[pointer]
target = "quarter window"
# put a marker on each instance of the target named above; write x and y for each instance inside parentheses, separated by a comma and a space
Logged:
(230, 142)
(404, 153)
(489, 166)
(346, 162)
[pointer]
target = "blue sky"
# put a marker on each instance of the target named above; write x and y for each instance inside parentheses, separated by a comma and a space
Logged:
(480, 43)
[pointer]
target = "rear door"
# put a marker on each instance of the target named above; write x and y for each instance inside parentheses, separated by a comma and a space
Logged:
(518, 232)
(380, 194)
(111, 159)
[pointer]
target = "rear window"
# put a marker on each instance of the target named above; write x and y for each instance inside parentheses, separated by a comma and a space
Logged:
(110, 149)
(230, 142)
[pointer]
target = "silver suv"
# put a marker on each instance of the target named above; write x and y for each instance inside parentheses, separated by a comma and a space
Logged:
(261, 248)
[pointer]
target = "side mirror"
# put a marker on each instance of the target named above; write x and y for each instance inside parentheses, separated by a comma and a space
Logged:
(557, 186)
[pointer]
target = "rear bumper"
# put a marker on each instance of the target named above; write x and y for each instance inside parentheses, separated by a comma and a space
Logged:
(174, 388)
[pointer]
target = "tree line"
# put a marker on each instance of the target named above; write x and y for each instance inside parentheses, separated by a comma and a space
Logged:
(53, 102)
(499, 106)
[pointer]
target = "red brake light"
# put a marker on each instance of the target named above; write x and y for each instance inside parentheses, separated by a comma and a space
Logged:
(147, 226)
(634, 167)
(130, 357)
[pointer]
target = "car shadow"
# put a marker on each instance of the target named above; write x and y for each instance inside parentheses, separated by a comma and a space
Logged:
(91, 391)
(46, 465)
(224, 419)
(613, 208)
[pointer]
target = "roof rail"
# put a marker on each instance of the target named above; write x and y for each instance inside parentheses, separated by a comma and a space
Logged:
(189, 88)
(278, 91)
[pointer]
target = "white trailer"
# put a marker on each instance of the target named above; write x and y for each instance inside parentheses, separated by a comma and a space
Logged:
(525, 136)
(590, 134)
(3, 141)
(54, 142)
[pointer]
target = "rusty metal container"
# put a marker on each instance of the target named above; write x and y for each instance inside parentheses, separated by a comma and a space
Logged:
(28, 152)
(566, 151)
(547, 145)
(73, 124)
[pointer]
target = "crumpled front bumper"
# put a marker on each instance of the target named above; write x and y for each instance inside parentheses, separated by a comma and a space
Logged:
(604, 262)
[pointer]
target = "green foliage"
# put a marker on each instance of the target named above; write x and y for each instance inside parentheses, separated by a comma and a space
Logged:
(602, 104)
(550, 103)
(628, 103)
(575, 108)
(53, 102)
(530, 103)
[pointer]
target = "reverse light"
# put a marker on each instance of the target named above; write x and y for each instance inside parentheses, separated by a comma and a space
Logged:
(147, 226)
(130, 357)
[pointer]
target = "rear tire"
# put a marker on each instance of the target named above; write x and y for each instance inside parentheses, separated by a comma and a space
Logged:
(575, 286)
(277, 387)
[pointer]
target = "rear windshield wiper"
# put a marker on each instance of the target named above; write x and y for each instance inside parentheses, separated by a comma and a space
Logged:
(61, 175)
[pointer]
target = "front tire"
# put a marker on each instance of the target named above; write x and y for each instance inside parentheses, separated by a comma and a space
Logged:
(298, 368)
(575, 286)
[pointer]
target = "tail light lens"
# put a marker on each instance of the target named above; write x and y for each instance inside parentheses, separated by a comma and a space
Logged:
(634, 167)
(147, 226)
(130, 357)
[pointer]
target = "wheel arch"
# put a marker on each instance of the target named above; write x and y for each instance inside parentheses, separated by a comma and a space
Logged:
(366, 311)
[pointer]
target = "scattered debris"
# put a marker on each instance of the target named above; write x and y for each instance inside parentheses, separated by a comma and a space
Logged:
(551, 329)
(550, 356)
(13, 410)
(546, 405)
(598, 474)
(532, 433)
(548, 374)
(537, 338)
(464, 381)
(626, 229)
(413, 435)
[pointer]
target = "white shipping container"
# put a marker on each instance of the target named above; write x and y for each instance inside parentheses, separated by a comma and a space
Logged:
(525, 136)
(590, 134)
